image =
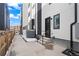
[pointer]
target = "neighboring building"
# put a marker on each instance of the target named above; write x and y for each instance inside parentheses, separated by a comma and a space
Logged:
(25, 18)
(25, 14)
(4, 17)
(28, 18)
(28, 14)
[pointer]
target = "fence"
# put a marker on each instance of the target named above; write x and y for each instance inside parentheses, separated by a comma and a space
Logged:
(5, 41)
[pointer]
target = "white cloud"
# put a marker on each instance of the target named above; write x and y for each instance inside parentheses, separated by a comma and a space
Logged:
(15, 5)
(16, 17)
(9, 8)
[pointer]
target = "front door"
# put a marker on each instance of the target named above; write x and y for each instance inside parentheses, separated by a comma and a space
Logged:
(47, 27)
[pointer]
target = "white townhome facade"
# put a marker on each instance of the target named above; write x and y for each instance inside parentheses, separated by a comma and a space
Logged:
(66, 11)
(61, 16)
(66, 16)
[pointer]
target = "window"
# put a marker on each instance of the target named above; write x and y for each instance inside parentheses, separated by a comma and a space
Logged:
(56, 21)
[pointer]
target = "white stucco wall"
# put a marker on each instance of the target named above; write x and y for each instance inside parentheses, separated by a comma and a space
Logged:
(36, 17)
(66, 11)
(25, 18)
(25, 14)
(74, 37)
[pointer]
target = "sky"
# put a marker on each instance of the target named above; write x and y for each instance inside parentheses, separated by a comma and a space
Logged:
(14, 10)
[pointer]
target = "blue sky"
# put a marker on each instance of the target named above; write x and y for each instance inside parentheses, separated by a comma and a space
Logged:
(14, 10)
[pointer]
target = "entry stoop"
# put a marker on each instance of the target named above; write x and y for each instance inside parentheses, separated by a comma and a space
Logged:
(47, 42)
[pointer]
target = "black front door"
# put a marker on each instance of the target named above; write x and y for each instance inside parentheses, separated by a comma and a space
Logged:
(47, 27)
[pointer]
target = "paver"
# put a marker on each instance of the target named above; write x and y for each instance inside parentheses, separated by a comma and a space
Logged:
(31, 48)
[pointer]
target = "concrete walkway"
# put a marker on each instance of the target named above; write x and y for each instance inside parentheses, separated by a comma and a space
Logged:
(31, 48)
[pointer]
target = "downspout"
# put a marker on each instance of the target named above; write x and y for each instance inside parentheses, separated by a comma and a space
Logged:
(71, 51)
(71, 28)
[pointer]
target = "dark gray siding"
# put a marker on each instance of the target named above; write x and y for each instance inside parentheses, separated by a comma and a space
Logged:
(39, 18)
(4, 17)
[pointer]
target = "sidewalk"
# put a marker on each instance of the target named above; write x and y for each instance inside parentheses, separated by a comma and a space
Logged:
(21, 48)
